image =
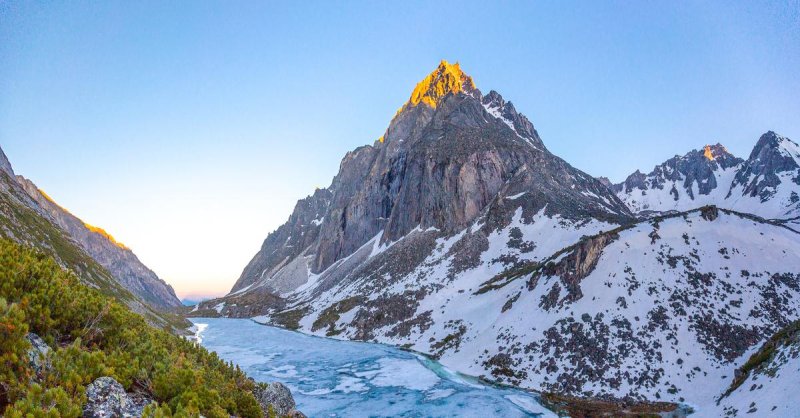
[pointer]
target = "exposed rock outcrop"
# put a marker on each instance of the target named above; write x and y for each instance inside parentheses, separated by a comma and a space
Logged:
(5, 165)
(37, 355)
(106, 398)
(579, 261)
(275, 397)
(773, 161)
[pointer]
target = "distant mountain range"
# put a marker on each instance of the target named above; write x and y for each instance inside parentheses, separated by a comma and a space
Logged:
(29, 216)
(459, 234)
(766, 184)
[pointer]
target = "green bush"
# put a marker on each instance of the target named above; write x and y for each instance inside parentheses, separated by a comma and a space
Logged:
(93, 335)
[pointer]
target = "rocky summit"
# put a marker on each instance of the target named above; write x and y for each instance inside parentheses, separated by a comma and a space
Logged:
(449, 157)
(460, 235)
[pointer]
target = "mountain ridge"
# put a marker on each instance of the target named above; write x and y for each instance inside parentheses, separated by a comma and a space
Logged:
(764, 184)
(122, 264)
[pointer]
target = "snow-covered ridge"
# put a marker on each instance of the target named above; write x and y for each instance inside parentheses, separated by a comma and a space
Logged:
(766, 184)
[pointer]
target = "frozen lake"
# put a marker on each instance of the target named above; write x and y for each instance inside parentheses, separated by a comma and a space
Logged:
(332, 378)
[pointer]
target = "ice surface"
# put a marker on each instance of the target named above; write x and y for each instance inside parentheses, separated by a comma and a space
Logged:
(334, 378)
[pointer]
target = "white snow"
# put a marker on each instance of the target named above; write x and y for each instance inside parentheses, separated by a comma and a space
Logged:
(762, 395)
(198, 329)
(489, 328)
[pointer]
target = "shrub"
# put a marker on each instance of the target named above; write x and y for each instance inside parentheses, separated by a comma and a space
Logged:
(94, 335)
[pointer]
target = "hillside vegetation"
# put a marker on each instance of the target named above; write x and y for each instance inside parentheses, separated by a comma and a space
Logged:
(21, 220)
(92, 335)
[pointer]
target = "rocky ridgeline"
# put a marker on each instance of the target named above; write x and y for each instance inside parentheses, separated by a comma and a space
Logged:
(458, 234)
(436, 167)
(32, 217)
(766, 184)
(120, 261)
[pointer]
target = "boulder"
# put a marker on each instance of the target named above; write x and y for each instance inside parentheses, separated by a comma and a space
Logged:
(106, 398)
(37, 354)
(277, 396)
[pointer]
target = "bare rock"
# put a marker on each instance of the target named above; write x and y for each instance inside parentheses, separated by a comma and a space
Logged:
(276, 396)
(106, 398)
(37, 355)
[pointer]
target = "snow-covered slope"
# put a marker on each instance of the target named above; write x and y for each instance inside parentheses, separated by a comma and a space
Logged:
(769, 378)
(766, 184)
(664, 309)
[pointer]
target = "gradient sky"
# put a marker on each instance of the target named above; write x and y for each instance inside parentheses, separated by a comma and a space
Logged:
(189, 129)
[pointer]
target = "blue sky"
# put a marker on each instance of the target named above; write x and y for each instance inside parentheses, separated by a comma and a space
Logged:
(189, 129)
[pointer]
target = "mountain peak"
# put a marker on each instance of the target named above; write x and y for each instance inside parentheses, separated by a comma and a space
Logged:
(447, 78)
(712, 152)
(771, 142)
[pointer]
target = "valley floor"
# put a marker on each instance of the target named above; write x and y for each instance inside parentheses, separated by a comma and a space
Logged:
(339, 378)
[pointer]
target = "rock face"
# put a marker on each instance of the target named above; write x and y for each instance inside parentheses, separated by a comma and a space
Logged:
(106, 398)
(276, 397)
(289, 241)
(120, 261)
(5, 165)
(766, 184)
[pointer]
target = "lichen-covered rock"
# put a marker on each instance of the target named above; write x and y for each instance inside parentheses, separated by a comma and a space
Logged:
(106, 398)
(37, 355)
(277, 397)
(295, 414)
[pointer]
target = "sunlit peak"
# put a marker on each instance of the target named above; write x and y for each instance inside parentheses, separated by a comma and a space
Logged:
(711, 152)
(707, 152)
(447, 78)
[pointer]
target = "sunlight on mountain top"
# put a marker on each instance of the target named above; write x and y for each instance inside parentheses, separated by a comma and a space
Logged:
(707, 152)
(108, 236)
(50, 199)
(447, 78)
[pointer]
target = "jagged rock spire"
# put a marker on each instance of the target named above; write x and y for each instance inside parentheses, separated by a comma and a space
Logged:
(447, 78)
